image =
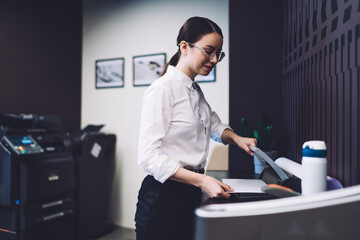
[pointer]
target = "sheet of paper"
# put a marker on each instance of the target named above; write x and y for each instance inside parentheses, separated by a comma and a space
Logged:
(245, 185)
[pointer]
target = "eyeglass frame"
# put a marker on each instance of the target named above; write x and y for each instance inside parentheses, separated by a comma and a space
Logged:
(219, 57)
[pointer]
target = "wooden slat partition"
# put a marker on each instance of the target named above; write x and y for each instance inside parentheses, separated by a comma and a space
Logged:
(321, 89)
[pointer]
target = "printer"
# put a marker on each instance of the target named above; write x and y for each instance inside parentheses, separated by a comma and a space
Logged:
(37, 178)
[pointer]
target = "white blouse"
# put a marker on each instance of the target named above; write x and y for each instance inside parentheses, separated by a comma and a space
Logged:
(176, 126)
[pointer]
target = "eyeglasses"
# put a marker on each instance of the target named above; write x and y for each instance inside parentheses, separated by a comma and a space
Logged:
(219, 55)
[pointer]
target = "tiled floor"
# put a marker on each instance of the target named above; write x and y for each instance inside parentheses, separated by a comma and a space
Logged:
(120, 233)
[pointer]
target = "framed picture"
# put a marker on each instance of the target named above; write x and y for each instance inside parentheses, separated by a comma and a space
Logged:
(211, 77)
(109, 73)
(147, 68)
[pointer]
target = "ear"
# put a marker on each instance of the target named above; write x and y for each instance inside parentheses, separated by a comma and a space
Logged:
(184, 47)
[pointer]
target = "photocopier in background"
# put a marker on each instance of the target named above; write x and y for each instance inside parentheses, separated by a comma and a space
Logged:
(45, 186)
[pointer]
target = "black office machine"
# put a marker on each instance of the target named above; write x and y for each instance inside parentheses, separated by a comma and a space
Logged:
(37, 178)
(53, 184)
(273, 174)
(94, 153)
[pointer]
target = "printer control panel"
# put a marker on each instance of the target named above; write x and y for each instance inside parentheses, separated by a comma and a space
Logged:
(23, 144)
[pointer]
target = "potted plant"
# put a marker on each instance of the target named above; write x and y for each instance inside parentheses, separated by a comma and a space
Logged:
(265, 139)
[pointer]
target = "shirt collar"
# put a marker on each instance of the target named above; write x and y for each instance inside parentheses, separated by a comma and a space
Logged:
(179, 75)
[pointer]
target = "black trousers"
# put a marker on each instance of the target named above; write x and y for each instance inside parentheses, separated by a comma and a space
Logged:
(166, 211)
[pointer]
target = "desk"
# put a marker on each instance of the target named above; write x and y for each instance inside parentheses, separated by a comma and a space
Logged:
(235, 197)
(327, 215)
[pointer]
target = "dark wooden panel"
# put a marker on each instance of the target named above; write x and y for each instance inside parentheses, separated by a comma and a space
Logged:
(41, 58)
(321, 82)
(255, 70)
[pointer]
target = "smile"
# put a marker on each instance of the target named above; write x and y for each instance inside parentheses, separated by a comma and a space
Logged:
(209, 68)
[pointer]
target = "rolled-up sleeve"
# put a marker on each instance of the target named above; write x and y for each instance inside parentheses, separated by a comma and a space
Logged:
(155, 122)
(217, 128)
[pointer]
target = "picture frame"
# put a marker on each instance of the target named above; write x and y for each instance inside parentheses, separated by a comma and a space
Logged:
(109, 73)
(147, 68)
(211, 77)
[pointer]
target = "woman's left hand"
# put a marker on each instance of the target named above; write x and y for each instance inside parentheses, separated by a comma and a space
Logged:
(244, 143)
(231, 137)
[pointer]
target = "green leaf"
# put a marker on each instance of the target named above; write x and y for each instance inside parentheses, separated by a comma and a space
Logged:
(256, 134)
(244, 129)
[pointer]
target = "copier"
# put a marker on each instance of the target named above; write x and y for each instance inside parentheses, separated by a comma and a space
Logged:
(38, 179)
(95, 164)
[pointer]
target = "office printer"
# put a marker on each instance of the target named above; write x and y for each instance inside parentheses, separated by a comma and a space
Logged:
(94, 154)
(273, 174)
(37, 178)
(325, 215)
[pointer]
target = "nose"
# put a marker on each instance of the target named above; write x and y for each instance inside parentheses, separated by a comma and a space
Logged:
(214, 59)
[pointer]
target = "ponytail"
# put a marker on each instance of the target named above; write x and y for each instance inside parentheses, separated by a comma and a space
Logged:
(173, 62)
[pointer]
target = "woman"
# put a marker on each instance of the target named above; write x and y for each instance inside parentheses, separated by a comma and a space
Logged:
(176, 126)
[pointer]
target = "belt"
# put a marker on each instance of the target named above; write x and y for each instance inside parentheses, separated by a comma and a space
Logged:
(201, 170)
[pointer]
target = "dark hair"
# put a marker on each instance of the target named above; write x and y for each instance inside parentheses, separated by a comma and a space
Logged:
(191, 31)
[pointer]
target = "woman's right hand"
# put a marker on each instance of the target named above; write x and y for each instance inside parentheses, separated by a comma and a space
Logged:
(209, 185)
(214, 188)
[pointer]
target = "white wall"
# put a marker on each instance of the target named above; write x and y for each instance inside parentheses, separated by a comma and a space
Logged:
(114, 29)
